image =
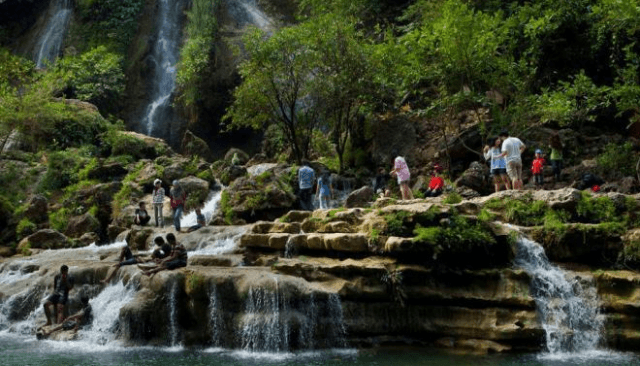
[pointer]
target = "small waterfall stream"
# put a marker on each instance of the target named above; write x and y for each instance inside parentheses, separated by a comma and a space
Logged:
(568, 309)
(159, 114)
(173, 314)
(50, 40)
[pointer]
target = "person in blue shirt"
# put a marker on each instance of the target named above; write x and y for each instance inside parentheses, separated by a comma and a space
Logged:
(200, 221)
(306, 178)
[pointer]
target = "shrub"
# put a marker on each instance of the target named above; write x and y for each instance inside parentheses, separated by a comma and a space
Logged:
(452, 198)
(25, 228)
(60, 219)
(618, 158)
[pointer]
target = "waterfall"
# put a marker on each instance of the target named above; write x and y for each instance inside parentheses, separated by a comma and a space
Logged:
(246, 12)
(106, 311)
(275, 322)
(173, 314)
(215, 318)
(210, 207)
(568, 309)
(159, 112)
(50, 41)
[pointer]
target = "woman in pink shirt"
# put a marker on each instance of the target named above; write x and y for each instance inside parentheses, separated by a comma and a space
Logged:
(401, 170)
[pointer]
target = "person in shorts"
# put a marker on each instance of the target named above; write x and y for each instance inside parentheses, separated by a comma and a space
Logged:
(401, 171)
(537, 169)
(82, 318)
(177, 258)
(493, 153)
(126, 259)
(512, 149)
(62, 284)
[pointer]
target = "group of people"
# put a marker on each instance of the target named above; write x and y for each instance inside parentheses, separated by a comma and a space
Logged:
(505, 155)
(178, 198)
(307, 181)
(167, 255)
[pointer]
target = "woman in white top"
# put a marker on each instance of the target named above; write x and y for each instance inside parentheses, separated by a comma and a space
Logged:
(498, 164)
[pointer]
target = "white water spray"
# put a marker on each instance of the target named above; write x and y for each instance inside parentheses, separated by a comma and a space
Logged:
(50, 42)
(568, 309)
(165, 57)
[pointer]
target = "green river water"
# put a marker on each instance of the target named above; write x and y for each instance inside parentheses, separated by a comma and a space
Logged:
(24, 351)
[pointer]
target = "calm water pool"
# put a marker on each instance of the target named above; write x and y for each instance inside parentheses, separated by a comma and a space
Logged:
(24, 351)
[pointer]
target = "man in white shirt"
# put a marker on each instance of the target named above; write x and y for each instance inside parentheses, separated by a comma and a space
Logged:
(512, 149)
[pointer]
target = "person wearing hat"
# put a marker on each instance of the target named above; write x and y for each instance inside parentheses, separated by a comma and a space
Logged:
(537, 168)
(158, 200)
(436, 184)
(178, 197)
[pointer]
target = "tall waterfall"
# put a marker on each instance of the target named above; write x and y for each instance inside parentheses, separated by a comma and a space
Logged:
(50, 40)
(568, 309)
(159, 115)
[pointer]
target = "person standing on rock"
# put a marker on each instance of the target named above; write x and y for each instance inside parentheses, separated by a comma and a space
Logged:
(306, 178)
(178, 198)
(556, 155)
(537, 169)
(324, 191)
(498, 165)
(401, 171)
(62, 284)
(177, 258)
(158, 201)
(512, 149)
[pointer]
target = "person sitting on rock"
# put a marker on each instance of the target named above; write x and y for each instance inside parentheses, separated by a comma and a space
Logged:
(82, 318)
(141, 217)
(380, 186)
(62, 284)
(163, 249)
(436, 184)
(177, 258)
(126, 259)
(200, 221)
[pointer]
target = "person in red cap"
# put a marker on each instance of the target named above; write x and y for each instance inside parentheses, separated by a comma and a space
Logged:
(436, 184)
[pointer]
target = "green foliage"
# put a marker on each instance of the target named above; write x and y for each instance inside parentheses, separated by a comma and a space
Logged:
(396, 223)
(226, 208)
(60, 219)
(195, 283)
(63, 168)
(111, 22)
(618, 158)
(196, 54)
(25, 228)
(599, 209)
(525, 212)
(452, 198)
(456, 236)
(486, 216)
(95, 76)
(574, 102)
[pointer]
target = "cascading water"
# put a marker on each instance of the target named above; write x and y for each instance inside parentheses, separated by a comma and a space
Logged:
(568, 310)
(247, 12)
(159, 118)
(215, 318)
(173, 313)
(50, 41)
(106, 311)
(274, 322)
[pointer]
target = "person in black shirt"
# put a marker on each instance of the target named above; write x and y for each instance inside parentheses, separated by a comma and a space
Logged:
(141, 216)
(126, 259)
(62, 283)
(82, 318)
(177, 258)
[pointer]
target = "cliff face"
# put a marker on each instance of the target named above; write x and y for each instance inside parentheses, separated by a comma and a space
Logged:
(333, 278)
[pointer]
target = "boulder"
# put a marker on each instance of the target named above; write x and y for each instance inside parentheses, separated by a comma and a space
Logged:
(242, 156)
(194, 145)
(87, 239)
(197, 189)
(46, 239)
(361, 197)
(231, 173)
(82, 224)
(107, 172)
(37, 211)
(475, 178)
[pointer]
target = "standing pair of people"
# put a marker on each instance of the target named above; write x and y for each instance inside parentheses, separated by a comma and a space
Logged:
(178, 198)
